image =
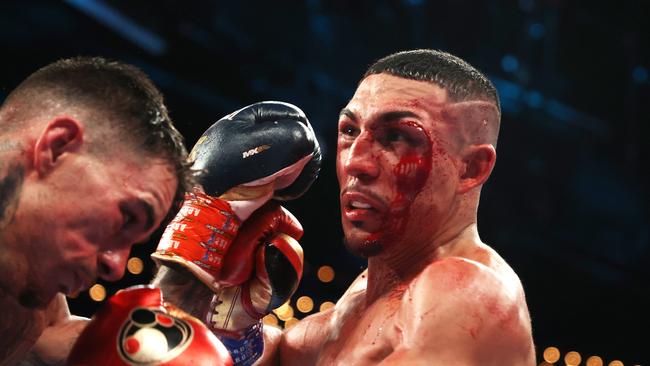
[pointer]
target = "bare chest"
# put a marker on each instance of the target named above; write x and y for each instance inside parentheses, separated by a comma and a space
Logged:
(362, 336)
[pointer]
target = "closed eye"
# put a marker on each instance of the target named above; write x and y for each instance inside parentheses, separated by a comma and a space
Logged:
(137, 217)
(393, 136)
(129, 219)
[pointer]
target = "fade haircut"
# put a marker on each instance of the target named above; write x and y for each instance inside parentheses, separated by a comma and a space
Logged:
(119, 102)
(461, 80)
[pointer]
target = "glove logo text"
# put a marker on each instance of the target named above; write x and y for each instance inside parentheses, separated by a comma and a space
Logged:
(257, 150)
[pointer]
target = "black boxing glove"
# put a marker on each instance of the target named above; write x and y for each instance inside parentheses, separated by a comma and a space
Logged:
(263, 151)
(253, 145)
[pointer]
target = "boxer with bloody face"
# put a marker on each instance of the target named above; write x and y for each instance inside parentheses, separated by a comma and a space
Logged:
(416, 143)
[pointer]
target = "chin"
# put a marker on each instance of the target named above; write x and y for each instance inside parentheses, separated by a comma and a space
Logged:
(35, 294)
(363, 247)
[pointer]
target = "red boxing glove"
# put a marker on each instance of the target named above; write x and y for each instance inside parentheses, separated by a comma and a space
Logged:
(266, 223)
(263, 267)
(135, 327)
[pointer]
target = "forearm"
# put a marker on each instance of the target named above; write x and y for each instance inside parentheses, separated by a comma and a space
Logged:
(184, 290)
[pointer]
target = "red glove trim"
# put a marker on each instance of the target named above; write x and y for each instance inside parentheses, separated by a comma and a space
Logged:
(199, 236)
(291, 249)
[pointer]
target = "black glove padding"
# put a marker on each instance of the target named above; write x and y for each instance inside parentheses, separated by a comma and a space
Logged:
(255, 142)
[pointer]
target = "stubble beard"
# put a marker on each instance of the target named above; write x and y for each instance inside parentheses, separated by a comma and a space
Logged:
(11, 184)
(10, 188)
(34, 294)
(364, 249)
(31, 299)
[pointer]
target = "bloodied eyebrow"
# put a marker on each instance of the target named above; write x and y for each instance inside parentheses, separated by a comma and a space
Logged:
(391, 116)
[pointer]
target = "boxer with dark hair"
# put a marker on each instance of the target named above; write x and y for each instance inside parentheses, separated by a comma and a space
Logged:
(90, 164)
(416, 143)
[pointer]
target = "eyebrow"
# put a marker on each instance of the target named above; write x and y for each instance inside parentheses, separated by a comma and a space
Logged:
(348, 113)
(385, 117)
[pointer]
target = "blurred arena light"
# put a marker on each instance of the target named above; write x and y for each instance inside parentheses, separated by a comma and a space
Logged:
(122, 25)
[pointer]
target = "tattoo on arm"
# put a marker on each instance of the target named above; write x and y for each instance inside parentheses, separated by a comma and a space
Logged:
(182, 289)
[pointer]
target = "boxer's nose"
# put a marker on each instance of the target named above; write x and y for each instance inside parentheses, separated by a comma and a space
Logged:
(360, 161)
(111, 264)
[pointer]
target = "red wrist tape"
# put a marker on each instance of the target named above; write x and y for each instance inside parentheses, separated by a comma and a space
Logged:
(199, 236)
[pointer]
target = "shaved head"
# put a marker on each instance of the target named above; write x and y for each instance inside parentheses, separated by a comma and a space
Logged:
(116, 103)
(473, 102)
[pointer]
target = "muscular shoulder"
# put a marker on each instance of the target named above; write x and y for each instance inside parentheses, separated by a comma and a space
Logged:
(467, 308)
(457, 275)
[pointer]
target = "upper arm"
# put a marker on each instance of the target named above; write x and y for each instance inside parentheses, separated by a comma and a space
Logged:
(458, 312)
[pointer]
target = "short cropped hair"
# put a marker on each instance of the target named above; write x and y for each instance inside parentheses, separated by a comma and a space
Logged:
(461, 80)
(122, 104)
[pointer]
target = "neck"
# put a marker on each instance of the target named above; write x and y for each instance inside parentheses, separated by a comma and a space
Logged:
(390, 273)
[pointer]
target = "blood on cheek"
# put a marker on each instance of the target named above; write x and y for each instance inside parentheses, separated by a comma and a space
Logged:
(410, 175)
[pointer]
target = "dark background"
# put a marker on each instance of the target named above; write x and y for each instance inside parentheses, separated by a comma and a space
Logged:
(567, 205)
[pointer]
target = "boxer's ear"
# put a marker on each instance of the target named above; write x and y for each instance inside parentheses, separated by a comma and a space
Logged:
(61, 135)
(478, 162)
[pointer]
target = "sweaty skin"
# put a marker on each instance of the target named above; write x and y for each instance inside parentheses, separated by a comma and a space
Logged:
(45, 256)
(410, 164)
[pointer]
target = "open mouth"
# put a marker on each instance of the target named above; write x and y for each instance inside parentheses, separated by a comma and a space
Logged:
(358, 205)
(362, 209)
